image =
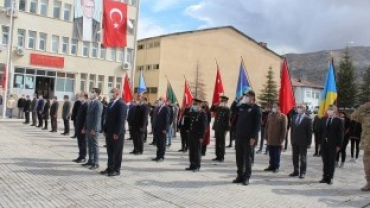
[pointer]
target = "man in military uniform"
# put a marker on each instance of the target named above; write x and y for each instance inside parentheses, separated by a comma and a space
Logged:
(362, 115)
(197, 129)
(247, 129)
(221, 127)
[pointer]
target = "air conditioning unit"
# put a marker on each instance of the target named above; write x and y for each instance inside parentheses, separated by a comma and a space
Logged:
(20, 51)
(126, 66)
(9, 11)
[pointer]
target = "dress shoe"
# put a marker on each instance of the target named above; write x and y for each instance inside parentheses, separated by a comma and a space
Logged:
(294, 174)
(216, 159)
(138, 153)
(180, 150)
(324, 180)
(276, 170)
(32, 125)
(230, 146)
(196, 170)
(44, 129)
(366, 188)
(53, 131)
(104, 172)
(73, 137)
(81, 160)
(133, 152)
(87, 164)
(189, 168)
(245, 182)
(238, 180)
(75, 160)
(160, 160)
(114, 173)
(64, 134)
(269, 169)
(302, 176)
(315, 155)
(329, 181)
(94, 167)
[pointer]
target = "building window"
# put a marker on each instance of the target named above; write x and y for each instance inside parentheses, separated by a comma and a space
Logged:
(94, 50)
(74, 46)
(56, 9)
(156, 44)
(148, 67)
(308, 94)
(67, 12)
(55, 44)
(156, 66)
(119, 82)
(121, 55)
(83, 82)
(5, 34)
(149, 45)
(31, 39)
(140, 68)
(130, 56)
(92, 82)
(42, 41)
(65, 82)
(33, 6)
(131, 27)
(22, 5)
(110, 83)
(112, 54)
(85, 49)
(102, 52)
(65, 41)
(152, 90)
(100, 82)
(8, 3)
(44, 7)
(21, 37)
(141, 47)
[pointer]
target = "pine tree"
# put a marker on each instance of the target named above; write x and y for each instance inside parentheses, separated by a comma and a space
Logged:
(270, 92)
(346, 82)
(364, 91)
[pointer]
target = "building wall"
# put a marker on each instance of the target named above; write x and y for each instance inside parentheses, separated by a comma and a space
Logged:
(308, 96)
(106, 63)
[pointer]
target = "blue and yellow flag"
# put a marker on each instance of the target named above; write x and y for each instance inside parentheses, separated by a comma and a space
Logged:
(330, 94)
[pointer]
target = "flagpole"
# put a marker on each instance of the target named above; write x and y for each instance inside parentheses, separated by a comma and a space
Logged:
(246, 71)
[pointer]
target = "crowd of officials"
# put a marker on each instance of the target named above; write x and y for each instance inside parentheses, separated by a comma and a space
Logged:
(246, 122)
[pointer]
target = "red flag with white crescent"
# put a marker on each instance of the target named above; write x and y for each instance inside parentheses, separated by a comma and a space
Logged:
(114, 24)
(127, 92)
(188, 97)
(219, 89)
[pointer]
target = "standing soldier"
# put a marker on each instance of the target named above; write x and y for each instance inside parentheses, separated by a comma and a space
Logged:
(247, 129)
(196, 134)
(221, 127)
(362, 115)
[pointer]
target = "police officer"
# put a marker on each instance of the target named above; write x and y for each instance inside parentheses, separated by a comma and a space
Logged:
(362, 115)
(247, 129)
(221, 127)
(197, 129)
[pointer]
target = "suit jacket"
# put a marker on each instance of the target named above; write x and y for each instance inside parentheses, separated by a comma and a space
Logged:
(54, 109)
(46, 112)
(93, 117)
(301, 133)
(27, 106)
(78, 29)
(333, 134)
(162, 119)
(76, 106)
(66, 113)
(40, 105)
(276, 129)
(81, 116)
(140, 118)
(34, 105)
(116, 118)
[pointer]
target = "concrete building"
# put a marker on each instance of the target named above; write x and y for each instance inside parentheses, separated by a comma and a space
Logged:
(47, 60)
(180, 54)
(307, 92)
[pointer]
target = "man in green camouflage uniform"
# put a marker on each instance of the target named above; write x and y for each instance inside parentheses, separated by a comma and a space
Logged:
(362, 115)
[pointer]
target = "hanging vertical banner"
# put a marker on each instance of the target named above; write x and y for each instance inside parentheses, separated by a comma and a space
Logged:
(115, 24)
(87, 19)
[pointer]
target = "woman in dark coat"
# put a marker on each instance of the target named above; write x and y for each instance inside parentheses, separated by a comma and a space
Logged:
(46, 113)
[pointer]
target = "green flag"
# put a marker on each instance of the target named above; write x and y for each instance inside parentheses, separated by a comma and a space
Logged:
(170, 95)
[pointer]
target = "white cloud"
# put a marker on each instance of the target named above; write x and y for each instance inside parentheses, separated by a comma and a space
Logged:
(163, 5)
(291, 25)
(149, 28)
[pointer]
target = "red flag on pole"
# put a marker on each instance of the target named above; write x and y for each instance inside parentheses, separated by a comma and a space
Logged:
(219, 89)
(3, 80)
(127, 92)
(114, 24)
(188, 97)
(286, 97)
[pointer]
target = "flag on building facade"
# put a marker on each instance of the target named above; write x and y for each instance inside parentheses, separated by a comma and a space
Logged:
(219, 88)
(127, 92)
(114, 24)
(188, 97)
(330, 93)
(286, 96)
(142, 85)
(170, 94)
(243, 82)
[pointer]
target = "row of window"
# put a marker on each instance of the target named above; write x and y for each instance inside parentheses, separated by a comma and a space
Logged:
(89, 81)
(148, 67)
(312, 94)
(149, 90)
(68, 45)
(148, 45)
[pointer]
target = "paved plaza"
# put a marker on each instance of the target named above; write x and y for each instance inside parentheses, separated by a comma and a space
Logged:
(36, 171)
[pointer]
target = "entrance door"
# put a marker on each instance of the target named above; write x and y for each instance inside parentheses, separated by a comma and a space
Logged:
(45, 86)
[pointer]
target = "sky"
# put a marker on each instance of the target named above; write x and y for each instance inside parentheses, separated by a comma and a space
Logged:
(288, 26)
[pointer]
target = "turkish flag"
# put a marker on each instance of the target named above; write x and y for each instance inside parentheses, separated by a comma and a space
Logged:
(127, 92)
(286, 96)
(188, 97)
(114, 24)
(219, 89)
(3, 80)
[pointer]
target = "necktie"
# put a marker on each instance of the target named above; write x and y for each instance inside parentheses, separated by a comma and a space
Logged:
(298, 120)
(329, 123)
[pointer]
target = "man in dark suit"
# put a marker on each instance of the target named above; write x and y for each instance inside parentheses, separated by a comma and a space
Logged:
(184, 125)
(331, 134)
(66, 114)
(34, 104)
(93, 127)
(160, 130)
(115, 133)
(86, 27)
(301, 139)
(54, 114)
(40, 110)
(27, 109)
(138, 126)
(80, 122)
(76, 106)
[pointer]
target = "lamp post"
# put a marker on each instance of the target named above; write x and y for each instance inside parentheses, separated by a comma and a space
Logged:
(9, 59)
